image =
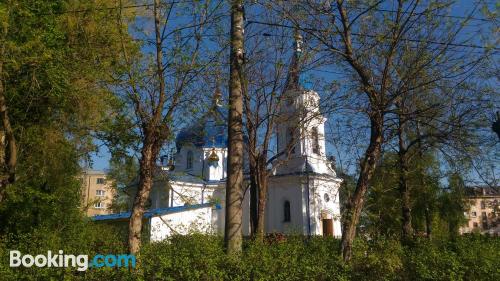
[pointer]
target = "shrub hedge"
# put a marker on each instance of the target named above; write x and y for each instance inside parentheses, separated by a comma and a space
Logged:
(201, 257)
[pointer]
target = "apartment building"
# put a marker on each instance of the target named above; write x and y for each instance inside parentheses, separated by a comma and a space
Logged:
(97, 193)
(484, 212)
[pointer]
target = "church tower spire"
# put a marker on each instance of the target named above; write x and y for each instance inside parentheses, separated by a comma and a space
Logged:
(293, 79)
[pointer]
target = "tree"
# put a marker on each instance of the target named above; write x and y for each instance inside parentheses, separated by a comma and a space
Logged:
(382, 215)
(264, 93)
(54, 67)
(234, 188)
(369, 43)
(158, 76)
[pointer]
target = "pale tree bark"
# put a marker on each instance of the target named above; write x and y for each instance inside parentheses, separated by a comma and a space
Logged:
(234, 189)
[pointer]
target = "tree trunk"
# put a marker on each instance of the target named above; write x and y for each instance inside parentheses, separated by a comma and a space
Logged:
(355, 203)
(262, 190)
(254, 196)
(8, 144)
(155, 132)
(428, 223)
(404, 188)
(146, 170)
(405, 197)
(234, 189)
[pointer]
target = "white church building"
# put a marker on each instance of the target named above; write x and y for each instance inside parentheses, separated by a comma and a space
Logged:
(303, 189)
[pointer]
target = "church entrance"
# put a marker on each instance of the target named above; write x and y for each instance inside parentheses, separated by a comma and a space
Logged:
(327, 227)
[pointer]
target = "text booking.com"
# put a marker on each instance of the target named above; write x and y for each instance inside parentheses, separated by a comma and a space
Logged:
(60, 259)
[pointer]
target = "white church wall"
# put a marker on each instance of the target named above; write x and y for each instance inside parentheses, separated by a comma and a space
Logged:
(281, 189)
(219, 217)
(325, 204)
(185, 222)
(186, 193)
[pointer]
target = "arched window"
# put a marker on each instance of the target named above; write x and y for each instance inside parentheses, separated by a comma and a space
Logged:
(286, 209)
(189, 160)
(315, 140)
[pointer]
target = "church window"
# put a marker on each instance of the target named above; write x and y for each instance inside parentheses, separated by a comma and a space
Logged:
(315, 139)
(286, 209)
(326, 197)
(189, 160)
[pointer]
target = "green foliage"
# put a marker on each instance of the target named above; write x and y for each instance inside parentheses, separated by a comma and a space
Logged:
(54, 71)
(202, 257)
(377, 260)
(81, 237)
(445, 204)
(123, 172)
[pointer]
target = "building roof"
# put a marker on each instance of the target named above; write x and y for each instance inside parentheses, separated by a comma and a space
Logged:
(93, 172)
(153, 212)
(480, 191)
(185, 177)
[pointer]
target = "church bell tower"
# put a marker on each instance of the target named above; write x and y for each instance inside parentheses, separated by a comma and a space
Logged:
(300, 129)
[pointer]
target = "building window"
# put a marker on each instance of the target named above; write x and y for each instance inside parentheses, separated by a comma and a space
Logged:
(99, 205)
(101, 181)
(475, 225)
(100, 192)
(315, 139)
(483, 204)
(483, 215)
(189, 160)
(291, 139)
(473, 214)
(286, 209)
(485, 225)
(326, 197)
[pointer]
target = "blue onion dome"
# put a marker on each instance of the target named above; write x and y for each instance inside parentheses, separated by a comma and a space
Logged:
(208, 131)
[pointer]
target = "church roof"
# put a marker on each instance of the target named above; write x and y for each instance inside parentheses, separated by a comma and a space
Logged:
(185, 177)
(153, 212)
(208, 131)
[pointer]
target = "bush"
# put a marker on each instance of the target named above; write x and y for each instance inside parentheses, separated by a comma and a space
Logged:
(202, 257)
(377, 260)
